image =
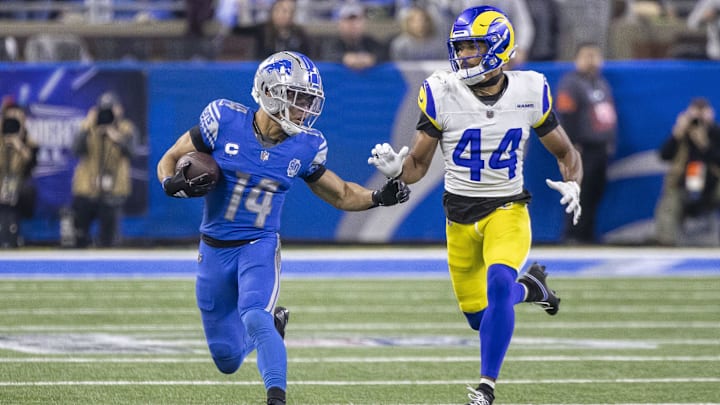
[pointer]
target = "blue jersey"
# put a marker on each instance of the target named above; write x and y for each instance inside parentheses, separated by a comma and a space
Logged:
(247, 202)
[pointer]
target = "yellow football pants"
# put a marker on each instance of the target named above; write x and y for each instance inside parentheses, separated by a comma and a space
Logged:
(503, 237)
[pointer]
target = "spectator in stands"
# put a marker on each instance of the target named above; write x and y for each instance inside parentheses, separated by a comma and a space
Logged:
(587, 109)
(197, 13)
(279, 33)
(29, 10)
(310, 11)
(707, 13)
(242, 13)
(56, 48)
(18, 156)
(441, 11)
(9, 49)
(353, 46)
(102, 182)
(142, 10)
(584, 21)
(652, 10)
(419, 40)
(690, 187)
(546, 21)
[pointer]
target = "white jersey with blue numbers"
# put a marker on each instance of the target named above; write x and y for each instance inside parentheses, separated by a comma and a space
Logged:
(248, 199)
(484, 145)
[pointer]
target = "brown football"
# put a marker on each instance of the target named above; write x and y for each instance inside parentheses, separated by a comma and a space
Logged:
(200, 163)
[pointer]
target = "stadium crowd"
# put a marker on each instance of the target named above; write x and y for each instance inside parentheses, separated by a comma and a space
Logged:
(229, 29)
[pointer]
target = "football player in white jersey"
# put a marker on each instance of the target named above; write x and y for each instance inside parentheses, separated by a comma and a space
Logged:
(481, 116)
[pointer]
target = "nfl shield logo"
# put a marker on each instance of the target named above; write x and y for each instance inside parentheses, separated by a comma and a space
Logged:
(490, 113)
(264, 155)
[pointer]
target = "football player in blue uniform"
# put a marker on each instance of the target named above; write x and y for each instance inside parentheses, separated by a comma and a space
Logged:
(481, 117)
(260, 152)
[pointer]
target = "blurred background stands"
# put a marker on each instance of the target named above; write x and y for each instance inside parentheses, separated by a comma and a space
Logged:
(161, 29)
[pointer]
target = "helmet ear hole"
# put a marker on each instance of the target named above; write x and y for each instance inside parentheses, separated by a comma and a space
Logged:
(264, 97)
(272, 107)
(491, 62)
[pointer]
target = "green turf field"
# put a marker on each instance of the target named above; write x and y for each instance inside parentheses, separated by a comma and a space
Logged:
(361, 341)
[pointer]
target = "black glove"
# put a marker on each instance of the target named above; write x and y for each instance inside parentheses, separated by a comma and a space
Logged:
(393, 192)
(179, 186)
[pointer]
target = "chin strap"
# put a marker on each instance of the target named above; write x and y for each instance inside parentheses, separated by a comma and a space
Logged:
(471, 81)
(489, 82)
(477, 81)
(289, 128)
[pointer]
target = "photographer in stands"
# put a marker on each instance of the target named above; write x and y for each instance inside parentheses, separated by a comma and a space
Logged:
(17, 159)
(690, 187)
(102, 182)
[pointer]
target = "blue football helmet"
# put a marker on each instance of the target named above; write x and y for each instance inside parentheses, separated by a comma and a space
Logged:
(288, 81)
(488, 26)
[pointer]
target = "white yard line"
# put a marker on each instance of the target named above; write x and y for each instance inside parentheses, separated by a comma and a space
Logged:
(378, 326)
(365, 383)
(390, 359)
(365, 309)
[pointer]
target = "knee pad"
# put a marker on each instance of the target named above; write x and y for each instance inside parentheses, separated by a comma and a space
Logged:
(257, 322)
(224, 360)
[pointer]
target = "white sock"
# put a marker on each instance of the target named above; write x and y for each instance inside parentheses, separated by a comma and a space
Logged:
(487, 382)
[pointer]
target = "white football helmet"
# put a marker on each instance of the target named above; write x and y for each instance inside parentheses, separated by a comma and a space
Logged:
(288, 87)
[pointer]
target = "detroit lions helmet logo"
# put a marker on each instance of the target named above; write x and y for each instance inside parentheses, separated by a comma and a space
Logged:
(283, 66)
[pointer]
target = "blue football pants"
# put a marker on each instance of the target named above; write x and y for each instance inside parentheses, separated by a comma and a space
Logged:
(236, 290)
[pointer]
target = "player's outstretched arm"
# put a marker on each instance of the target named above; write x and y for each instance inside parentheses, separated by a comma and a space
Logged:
(349, 196)
(570, 165)
(408, 165)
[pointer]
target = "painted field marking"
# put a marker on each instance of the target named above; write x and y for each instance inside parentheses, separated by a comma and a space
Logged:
(379, 326)
(368, 309)
(362, 383)
(556, 403)
(357, 262)
(394, 359)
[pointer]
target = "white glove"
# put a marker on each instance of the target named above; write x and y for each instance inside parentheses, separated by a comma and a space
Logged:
(570, 195)
(389, 163)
